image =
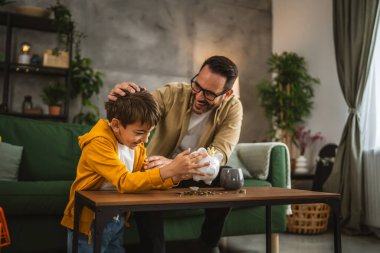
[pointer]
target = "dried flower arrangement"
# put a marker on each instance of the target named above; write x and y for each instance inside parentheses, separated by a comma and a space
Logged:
(304, 138)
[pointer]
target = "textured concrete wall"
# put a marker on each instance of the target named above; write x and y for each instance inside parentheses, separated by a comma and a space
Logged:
(157, 41)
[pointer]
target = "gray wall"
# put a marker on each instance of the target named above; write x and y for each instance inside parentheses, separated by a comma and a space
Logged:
(158, 41)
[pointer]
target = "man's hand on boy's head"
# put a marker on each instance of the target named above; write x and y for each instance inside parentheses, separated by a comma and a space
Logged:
(156, 162)
(118, 89)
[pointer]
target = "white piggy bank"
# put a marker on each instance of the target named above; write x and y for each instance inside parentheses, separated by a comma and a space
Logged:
(212, 170)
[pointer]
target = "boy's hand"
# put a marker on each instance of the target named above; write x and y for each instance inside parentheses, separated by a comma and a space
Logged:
(184, 165)
(179, 178)
(118, 90)
(156, 162)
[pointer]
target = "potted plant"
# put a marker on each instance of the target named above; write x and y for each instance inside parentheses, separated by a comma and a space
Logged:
(63, 24)
(287, 96)
(304, 138)
(86, 81)
(53, 95)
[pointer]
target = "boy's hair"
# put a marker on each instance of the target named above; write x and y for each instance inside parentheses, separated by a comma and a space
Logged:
(133, 107)
(223, 66)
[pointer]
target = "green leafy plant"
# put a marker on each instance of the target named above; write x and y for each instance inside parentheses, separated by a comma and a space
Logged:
(53, 94)
(63, 24)
(86, 82)
(287, 97)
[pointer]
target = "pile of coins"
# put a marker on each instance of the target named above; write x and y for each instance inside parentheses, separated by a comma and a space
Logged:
(201, 193)
(195, 191)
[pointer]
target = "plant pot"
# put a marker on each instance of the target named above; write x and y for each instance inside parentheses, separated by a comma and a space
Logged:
(301, 165)
(55, 110)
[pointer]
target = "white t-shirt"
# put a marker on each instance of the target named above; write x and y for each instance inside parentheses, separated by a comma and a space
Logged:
(194, 131)
(126, 156)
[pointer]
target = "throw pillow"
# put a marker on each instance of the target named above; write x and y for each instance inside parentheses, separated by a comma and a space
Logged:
(235, 162)
(256, 156)
(10, 157)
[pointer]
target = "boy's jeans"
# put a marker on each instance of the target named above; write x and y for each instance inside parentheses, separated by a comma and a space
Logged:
(112, 238)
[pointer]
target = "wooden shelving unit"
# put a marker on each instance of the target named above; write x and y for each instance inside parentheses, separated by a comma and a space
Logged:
(14, 21)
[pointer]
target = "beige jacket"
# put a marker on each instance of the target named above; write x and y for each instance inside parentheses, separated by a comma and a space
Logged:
(175, 101)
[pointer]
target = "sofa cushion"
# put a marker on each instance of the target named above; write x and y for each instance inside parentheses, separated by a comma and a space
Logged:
(256, 182)
(258, 157)
(34, 198)
(10, 157)
(51, 150)
(235, 162)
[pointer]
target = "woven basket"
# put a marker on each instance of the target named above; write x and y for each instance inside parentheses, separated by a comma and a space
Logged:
(309, 218)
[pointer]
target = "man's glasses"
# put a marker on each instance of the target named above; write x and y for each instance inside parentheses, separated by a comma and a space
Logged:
(209, 95)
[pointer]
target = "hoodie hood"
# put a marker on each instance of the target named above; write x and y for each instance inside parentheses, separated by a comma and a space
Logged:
(101, 129)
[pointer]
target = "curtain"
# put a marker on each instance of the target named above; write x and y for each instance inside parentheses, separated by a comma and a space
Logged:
(354, 32)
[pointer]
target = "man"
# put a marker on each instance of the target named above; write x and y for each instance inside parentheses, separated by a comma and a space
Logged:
(202, 114)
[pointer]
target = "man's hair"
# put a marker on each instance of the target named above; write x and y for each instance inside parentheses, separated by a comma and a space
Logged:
(133, 107)
(223, 66)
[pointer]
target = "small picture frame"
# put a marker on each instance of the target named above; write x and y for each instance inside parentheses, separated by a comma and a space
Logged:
(56, 61)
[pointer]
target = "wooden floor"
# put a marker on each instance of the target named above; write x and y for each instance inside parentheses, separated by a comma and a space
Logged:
(289, 243)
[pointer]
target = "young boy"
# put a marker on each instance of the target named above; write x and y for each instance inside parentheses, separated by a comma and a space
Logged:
(112, 158)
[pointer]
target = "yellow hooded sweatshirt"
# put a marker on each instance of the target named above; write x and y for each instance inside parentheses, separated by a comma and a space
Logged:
(99, 163)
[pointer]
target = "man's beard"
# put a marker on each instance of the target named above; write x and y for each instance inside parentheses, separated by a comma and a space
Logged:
(203, 106)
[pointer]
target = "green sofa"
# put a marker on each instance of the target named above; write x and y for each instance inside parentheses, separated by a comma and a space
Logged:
(34, 204)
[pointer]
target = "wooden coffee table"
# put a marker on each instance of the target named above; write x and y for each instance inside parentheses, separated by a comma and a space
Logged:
(106, 204)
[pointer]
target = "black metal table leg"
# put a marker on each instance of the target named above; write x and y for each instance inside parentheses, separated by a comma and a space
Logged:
(335, 206)
(103, 215)
(268, 228)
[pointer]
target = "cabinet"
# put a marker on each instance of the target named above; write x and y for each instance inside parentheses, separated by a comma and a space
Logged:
(302, 181)
(10, 67)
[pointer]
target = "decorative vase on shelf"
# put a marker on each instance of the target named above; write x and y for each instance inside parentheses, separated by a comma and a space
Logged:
(27, 104)
(301, 165)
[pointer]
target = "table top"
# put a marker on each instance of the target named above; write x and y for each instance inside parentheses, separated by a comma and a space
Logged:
(174, 196)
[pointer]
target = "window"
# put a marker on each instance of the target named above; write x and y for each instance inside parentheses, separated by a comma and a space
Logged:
(370, 111)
